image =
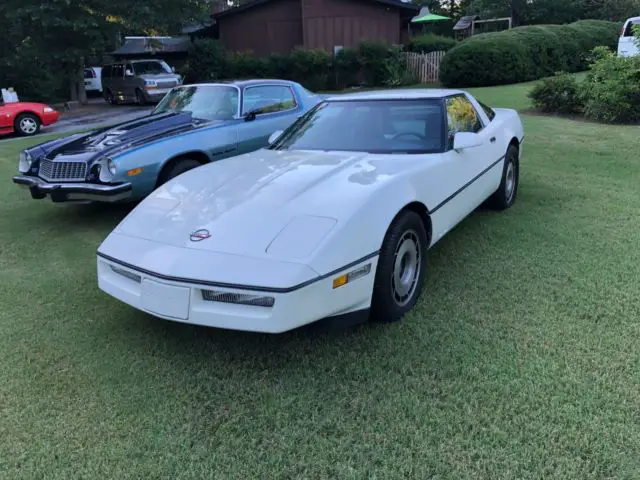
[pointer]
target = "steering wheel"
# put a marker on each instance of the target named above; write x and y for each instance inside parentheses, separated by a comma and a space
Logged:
(414, 134)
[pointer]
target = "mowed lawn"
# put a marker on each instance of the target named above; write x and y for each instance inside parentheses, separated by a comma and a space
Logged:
(521, 360)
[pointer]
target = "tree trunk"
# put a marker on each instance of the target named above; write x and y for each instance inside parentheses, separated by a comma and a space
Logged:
(82, 93)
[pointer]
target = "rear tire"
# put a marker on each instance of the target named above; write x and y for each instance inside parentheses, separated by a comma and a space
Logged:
(27, 124)
(402, 266)
(176, 168)
(507, 193)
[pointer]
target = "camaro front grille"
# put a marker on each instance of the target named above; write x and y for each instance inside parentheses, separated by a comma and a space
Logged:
(238, 298)
(62, 171)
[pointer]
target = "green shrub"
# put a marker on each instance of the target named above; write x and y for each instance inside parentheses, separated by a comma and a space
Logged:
(557, 94)
(430, 43)
(311, 68)
(611, 91)
(371, 58)
(206, 61)
(524, 53)
(346, 68)
(245, 65)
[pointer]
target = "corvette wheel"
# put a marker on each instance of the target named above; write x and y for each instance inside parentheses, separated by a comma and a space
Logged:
(27, 124)
(402, 265)
(507, 193)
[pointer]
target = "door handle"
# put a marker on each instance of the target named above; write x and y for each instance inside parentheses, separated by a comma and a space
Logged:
(492, 139)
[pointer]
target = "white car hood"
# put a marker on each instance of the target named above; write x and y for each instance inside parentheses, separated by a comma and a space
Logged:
(245, 202)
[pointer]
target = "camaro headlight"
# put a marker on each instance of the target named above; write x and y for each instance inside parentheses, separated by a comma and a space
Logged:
(112, 167)
(25, 162)
(150, 83)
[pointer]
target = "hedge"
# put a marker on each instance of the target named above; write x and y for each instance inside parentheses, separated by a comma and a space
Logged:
(525, 53)
(431, 43)
(371, 63)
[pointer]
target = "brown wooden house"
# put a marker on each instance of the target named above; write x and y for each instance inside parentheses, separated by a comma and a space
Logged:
(278, 26)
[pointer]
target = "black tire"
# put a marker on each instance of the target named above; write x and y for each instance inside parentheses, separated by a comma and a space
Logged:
(176, 168)
(27, 124)
(507, 192)
(140, 98)
(109, 98)
(387, 305)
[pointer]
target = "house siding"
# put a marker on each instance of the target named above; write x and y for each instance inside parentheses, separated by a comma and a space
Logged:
(274, 27)
(329, 23)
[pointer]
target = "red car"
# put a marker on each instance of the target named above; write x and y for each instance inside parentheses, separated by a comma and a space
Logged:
(25, 118)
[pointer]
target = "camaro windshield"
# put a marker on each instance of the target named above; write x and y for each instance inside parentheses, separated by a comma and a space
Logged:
(205, 102)
(374, 126)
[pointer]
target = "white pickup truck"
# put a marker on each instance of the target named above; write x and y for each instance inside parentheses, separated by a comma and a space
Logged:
(627, 46)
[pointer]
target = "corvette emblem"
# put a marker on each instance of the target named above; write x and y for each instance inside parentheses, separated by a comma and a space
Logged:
(199, 235)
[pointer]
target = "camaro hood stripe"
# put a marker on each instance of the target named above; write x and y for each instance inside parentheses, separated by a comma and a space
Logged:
(253, 288)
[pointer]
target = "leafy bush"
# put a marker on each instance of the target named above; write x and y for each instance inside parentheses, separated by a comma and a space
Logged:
(430, 43)
(557, 94)
(311, 68)
(371, 62)
(207, 61)
(525, 53)
(611, 91)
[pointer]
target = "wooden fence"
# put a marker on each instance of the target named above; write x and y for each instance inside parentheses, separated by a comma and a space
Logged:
(425, 66)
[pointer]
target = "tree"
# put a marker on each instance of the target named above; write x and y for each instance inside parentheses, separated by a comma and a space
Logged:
(62, 34)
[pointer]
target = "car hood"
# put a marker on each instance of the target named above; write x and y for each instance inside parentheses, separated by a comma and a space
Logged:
(246, 201)
(113, 140)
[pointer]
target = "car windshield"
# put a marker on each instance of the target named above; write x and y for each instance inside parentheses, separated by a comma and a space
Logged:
(151, 68)
(205, 102)
(373, 126)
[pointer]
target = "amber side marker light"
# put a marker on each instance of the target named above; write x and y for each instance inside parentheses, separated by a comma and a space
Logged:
(133, 172)
(351, 276)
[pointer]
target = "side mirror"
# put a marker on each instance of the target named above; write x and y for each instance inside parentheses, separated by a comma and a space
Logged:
(274, 136)
(251, 115)
(466, 140)
(128, 73)
(173, 69)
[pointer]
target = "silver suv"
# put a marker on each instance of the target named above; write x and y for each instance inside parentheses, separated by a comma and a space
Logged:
(139, 81)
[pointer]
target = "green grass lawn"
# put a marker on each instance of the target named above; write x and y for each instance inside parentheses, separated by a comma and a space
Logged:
(521, 359)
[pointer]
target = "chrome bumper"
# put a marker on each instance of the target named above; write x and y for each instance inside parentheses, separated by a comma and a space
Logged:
(74, 192)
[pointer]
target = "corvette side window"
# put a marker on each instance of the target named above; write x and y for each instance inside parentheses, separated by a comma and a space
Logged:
(461, 117)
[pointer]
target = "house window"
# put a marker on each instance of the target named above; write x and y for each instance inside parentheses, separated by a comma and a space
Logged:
(268, 99)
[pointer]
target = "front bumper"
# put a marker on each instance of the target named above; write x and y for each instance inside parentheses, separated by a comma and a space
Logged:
(74, 192)
(212, 305)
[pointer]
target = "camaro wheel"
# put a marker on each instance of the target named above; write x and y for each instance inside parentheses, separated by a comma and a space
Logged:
(178, 168)
(27, 124)
(507, 193)
(401, 268)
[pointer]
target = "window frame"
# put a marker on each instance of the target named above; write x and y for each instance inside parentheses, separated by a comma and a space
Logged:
(448, 141)
(296, 100)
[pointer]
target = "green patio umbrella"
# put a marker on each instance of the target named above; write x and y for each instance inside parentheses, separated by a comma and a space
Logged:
(426, 16)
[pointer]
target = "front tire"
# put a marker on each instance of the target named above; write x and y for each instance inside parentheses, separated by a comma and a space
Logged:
(140, 98)
(507, 193)
(402, 265)
(27, 124)
(178, 167)
(109, 98)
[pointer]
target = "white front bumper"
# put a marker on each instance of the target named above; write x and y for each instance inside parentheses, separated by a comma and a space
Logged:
(183, 301)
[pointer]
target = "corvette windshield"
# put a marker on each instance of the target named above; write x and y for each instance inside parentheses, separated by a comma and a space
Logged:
(205, 102)
(374, 126)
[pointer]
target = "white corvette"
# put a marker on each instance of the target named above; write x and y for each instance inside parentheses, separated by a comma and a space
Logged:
(334, 218)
